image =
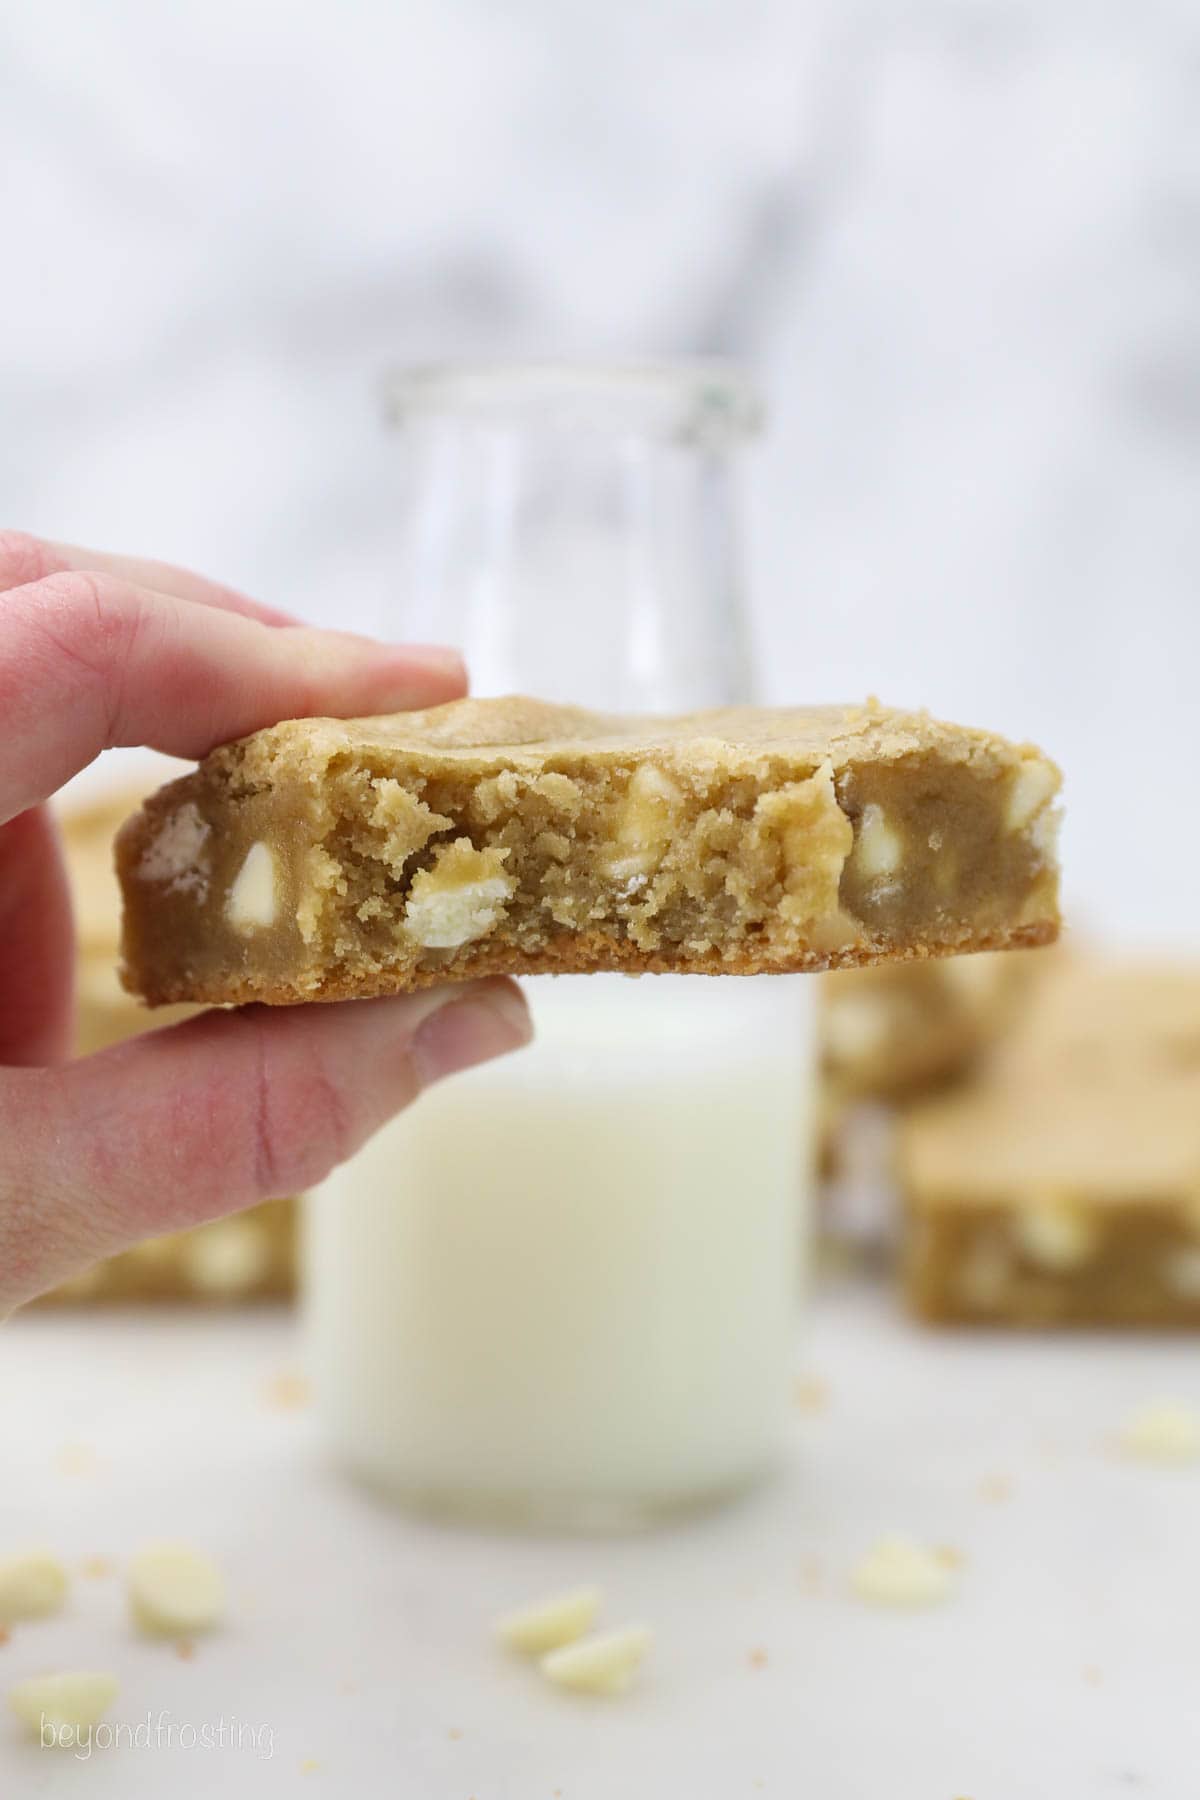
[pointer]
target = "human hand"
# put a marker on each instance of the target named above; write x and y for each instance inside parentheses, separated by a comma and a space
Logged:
(210, 1115)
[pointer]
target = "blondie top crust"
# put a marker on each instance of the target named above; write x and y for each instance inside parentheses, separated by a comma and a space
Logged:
(323, 858)
(1061, 1185)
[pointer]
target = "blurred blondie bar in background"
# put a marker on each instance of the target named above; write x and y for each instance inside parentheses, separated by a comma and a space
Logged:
(1042, 1157)
(251, 1256)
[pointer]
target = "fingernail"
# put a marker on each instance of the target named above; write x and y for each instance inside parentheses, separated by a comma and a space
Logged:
(439, 659)
(487, 1021)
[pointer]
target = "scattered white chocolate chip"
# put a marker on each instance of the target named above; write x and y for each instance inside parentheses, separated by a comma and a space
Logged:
(1163, 1432)
(899, 1572)
(226, 1258)
(603, 1664)
(1032, 786)
(251, 905)
(549, 1623)
(175, 1590)
(878, 850)
(56, 1708)
(460, 898)
(31, 1586)
(176, 855)
(1055, 1234)
(645, 823)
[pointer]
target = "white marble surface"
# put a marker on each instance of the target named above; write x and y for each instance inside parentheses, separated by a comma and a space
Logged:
(960, 243)
(1064, 1665)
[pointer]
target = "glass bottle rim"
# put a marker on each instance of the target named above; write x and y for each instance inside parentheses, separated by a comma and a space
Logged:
(681, 401)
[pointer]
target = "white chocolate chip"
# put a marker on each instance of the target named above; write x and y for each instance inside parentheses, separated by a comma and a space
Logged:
(549, 1623)
(645, 824)
(1032, 786)
(252, 903)
(878, 850)
(57, 1708)
(1163, 1432)
(227, 1257)
(31, 1586)
(1054, 1234)
(1181, 1272)
(899, 1572)
(807, 828)
(460, 898)
(177, 854)
(603, 1664)
(175, 1590)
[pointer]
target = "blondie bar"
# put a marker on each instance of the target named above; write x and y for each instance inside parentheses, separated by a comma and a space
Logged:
(1061, 1185)
(323, 859)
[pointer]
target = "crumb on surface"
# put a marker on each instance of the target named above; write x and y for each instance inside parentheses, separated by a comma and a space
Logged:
(757, 1658)
(96, 1568)
(811, 1393)
(76, 1459)
(185, 1650)
(996, 1488)
(812, 1575)
(1092, 1675)
(288, 1391)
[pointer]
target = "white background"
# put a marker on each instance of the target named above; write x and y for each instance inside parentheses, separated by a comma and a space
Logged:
(959, 243)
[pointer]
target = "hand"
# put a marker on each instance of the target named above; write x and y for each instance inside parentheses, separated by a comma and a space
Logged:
(207, 1116)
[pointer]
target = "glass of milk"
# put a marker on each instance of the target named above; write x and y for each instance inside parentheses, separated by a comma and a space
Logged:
(562, 1288)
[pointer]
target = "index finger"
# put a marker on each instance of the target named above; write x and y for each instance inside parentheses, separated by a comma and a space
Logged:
(89, 662)
(24, 558)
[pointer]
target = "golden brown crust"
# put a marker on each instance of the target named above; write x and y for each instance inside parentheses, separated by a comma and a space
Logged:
(594, 954)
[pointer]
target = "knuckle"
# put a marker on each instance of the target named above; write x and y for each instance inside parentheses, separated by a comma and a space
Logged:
(301, 1125)
(92, 622)
(85, 598)
(25, 558)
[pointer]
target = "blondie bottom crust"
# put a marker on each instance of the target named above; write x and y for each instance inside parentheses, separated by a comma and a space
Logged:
(326, 858)
(1061, 1185)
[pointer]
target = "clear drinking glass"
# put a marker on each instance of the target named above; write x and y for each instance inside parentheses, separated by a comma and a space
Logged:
(562, 1287)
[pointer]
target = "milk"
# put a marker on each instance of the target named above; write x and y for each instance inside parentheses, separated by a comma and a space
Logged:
(563, 1285)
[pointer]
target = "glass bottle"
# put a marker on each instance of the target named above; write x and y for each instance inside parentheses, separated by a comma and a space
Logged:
(562, 1287)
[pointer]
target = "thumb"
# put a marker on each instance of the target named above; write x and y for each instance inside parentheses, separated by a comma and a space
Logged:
(209, 1116)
